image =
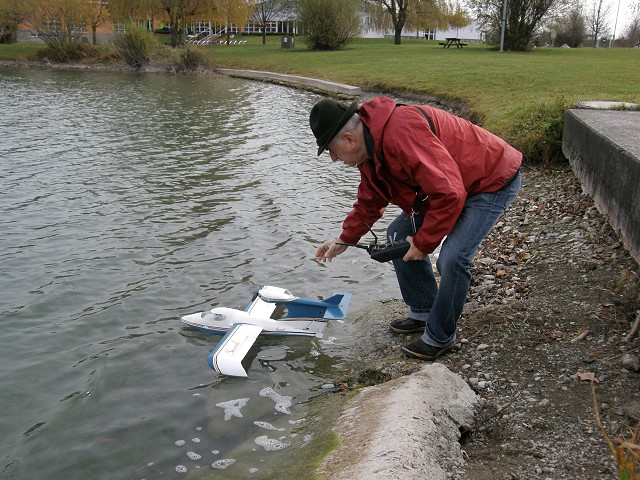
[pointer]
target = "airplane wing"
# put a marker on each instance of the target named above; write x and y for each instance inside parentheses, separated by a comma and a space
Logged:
(259, 308)
(226, 357)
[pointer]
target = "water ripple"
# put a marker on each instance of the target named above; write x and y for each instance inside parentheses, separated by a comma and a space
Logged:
(126, 202)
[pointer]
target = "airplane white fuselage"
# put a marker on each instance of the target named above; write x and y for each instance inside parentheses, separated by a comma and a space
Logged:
(221, 319)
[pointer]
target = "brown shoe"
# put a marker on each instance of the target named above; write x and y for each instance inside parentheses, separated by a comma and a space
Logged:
(407, 325)
(420, 350)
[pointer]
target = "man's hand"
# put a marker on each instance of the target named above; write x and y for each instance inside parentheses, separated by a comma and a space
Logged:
(413, 253)
(329, 249)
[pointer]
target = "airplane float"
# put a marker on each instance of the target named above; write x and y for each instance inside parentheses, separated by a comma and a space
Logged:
(305, 317)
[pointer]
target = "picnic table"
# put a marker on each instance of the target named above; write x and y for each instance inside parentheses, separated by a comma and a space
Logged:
(452, 41)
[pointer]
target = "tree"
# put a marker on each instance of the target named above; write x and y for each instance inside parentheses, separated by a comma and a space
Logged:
(414, 14)
(131, 11)
(267, 10)
(232, 11)
(523, 17)
(458, 17)
(178, 12)
(428, 14)
(632, 30)
(597, 20)
(398, 11)
(572, 27)
(60, 23)
(329, 24)
(12, 14)
(97, 14)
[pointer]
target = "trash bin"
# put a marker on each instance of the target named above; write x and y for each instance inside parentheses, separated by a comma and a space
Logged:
(288, 42)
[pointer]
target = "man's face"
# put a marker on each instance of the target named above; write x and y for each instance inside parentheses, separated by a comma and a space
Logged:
(348, 150)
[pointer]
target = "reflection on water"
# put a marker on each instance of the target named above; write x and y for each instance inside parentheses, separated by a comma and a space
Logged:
(126, 202)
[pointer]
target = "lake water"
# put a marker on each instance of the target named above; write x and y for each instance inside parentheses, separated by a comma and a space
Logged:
(127, 201)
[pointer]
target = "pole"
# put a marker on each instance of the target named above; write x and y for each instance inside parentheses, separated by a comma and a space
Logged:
(504, 25)
(615, 26)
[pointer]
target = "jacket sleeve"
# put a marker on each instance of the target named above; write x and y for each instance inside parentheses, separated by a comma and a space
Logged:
(421, 159)
(367, 210)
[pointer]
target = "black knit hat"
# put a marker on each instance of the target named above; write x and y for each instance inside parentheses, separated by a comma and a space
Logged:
(327, 119)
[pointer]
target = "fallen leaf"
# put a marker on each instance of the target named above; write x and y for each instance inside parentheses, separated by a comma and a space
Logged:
(587, 377)
(501, 273)
(584, 331)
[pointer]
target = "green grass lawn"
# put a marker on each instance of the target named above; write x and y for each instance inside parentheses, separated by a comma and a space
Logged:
(495, 86)
(520, 96)
(19, 51)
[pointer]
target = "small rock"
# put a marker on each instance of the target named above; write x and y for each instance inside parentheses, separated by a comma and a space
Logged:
(631, 362)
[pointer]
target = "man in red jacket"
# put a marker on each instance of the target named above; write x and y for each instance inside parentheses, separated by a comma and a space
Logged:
(451, 178)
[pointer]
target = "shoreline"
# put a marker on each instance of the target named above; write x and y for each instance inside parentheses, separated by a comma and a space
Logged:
(341, 91)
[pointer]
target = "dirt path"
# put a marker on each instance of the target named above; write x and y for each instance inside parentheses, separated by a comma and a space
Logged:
(553, 298)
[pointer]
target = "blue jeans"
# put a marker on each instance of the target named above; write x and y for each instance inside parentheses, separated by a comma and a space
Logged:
(441, 306)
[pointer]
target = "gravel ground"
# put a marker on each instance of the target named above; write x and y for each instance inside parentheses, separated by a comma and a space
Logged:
(553, 299)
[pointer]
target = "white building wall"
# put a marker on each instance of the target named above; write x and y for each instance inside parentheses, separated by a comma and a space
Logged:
(469, 33)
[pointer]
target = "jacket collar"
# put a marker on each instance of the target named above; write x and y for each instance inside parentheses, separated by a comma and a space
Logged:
(369, 142)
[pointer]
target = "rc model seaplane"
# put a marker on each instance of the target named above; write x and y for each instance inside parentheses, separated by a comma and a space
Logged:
(305, 317)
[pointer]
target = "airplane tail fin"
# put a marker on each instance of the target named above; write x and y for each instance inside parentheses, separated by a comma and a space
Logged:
(338, 305)
(333, 308)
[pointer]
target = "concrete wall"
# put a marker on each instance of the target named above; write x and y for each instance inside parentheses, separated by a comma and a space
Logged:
(603, 147)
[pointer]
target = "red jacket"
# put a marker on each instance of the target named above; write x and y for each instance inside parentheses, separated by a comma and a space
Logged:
(462, 160)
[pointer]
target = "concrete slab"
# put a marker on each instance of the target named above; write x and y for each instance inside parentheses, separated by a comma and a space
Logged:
(603, 147)
(602, 105)
(306, 82)
(621, 127)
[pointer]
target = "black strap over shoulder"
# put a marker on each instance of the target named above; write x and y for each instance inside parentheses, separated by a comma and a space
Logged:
(431, 125)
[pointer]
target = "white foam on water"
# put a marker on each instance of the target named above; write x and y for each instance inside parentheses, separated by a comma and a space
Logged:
(194, 456)
(195, 440)
(215, 452)
(329, 341)
(198, 428)
(180, 443)
(224, 463)
(253, 470)
(271, 444)
(283, 402)
(181, 469)
(267, 426)
(232, 407)
(300, 421)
